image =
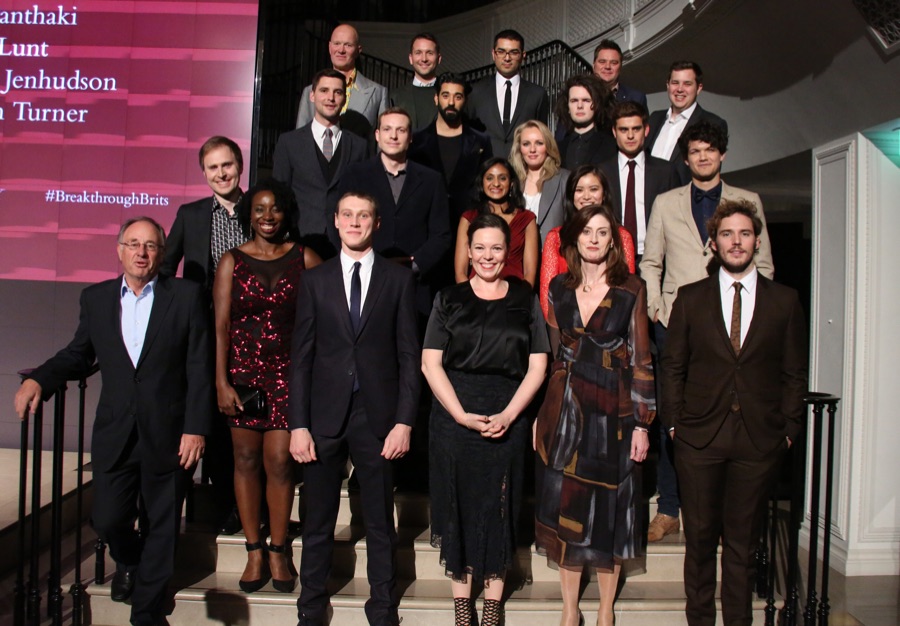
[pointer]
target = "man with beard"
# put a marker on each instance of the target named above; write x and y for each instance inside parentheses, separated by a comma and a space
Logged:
(733, 379)
(677, 241)
(451, 146)
(581, 110)
(416, 97)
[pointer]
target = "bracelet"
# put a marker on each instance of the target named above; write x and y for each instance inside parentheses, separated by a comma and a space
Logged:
(640, 429)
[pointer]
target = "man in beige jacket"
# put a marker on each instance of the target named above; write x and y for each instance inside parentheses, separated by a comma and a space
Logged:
(676, 253)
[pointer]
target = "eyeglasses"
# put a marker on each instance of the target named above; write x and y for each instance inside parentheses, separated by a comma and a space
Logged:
(514, 53)
(149, 246)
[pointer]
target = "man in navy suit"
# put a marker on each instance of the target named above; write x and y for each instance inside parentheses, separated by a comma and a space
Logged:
(450, 146)
(204, 230)
(412, 202)
(733, 379)
(150, 336)
(608, 66)
(354, 390)
(503, 101)
(684, 84)
(635, 178)
(313, 159)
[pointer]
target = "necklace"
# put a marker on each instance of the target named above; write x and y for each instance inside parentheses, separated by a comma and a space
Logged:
(586, 287)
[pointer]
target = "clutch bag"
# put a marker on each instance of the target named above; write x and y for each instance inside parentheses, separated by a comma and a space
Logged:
(253, 399)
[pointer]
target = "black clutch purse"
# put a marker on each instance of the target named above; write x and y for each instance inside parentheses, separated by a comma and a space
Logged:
(253, 399)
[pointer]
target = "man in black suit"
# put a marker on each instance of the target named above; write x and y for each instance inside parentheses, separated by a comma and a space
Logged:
(204, 230)
(450, 146)
(733, 379)
(503, 101)
(417, 97)
(635, 178)
(608, 66)
(354, 389)
(313, 159)
(683, 86)
(412, 201)
(579, 109)
(150, 336)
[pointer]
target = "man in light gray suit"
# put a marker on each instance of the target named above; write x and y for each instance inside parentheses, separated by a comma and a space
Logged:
(313, 158)
(364, 96)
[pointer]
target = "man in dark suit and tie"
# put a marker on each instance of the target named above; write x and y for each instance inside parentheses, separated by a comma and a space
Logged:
(412, 202)
(354, 390)
(313, 159)
(204, 230)
(635, 178)
(150, 336)
(608, 66)
(503, 101)
(733, 379)
(683, 86)
(450, 146)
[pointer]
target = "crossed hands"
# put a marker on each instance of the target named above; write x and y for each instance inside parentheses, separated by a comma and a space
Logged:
(489, 426)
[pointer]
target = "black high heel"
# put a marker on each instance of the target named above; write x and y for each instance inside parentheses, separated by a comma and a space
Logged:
(284, 586)
(249, 586)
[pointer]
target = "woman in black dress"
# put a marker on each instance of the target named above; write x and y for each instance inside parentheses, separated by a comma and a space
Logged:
(592, 427)
(485, 356)
(255, 296)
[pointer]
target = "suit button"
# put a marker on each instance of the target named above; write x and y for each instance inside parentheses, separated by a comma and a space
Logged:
(349, 372)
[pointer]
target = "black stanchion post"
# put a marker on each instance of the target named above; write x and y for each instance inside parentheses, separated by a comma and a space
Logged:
(54, 590)
(34, 583)
(809, 612)
(99, 561)
(824, 607)
(762, 556)
(20, 593)
(77, 589)
(791, 606)
(773, 565)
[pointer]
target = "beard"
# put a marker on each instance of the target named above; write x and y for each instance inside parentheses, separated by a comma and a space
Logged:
(735, 268)
(450, 115)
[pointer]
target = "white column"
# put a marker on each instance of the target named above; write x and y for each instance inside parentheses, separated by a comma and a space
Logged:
(855, 347)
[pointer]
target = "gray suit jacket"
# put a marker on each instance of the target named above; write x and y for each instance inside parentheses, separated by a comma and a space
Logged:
(552, 208)
(674, 242)
(370, 99)
(297, 164)
(533, 103)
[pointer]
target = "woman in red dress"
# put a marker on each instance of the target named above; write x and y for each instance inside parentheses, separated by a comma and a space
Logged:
(500, 193)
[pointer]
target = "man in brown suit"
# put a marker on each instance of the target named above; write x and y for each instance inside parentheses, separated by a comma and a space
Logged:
(733, 378)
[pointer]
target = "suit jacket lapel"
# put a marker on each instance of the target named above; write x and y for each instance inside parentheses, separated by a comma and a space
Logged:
(715, 297)
(411, 183)
(162, 299)
(761, 312)
(548, 195)
(376, 283)
(684, 211)
(521, 104)
(113, 308)
(338, 295)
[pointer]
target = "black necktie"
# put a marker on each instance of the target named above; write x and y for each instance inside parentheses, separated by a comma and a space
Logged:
(629, 220)
(507, 105)
(355, 297)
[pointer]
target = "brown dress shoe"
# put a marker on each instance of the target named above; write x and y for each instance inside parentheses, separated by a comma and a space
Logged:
(661, 526)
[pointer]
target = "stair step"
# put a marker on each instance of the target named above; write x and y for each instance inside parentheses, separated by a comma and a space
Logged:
(214, 599)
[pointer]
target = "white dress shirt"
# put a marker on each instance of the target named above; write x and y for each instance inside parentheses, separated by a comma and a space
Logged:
(365, 275)
(533, 202)
(318, 133)
(135, 317)
(422, 83)
(748, 299)
(670, 132)
(501, 93)
(640, 167)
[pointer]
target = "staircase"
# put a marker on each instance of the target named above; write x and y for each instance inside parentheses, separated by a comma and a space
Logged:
(209, 567)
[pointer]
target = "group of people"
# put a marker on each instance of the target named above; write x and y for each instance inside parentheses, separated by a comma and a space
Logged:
(557, 292)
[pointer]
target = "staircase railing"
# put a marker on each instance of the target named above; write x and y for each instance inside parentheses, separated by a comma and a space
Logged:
(27, 600)
(548, 65)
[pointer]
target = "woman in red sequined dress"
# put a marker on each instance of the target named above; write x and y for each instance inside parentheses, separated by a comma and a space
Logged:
(255, 295)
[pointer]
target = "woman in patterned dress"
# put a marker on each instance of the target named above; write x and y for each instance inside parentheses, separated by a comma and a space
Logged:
(592, 427)
(255, 296)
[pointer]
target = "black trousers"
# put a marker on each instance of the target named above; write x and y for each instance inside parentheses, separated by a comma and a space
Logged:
(724, 488)
(322, 482)
(116, 494)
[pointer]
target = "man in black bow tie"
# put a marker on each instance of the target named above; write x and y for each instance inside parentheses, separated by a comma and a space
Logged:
(677, 240)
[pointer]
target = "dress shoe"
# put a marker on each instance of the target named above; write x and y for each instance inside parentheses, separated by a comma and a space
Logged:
(661, 526)
(231, 524)
(286, 585)
(122, 585)
(249, 586)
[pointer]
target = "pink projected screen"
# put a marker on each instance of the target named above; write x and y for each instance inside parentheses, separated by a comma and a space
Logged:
(103, 107)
